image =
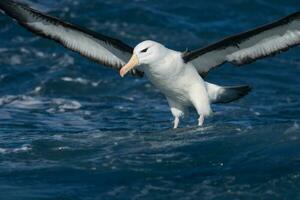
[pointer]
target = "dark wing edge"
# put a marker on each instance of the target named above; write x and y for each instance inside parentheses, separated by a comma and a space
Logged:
(94, 46)
(247, 47)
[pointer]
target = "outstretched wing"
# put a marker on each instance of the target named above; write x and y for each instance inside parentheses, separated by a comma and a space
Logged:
(97, 47)
(249, 46)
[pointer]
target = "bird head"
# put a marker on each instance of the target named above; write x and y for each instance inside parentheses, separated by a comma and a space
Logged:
(145, 53)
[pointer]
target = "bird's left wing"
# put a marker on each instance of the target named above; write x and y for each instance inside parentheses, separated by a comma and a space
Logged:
(95, 46)
(249, 46)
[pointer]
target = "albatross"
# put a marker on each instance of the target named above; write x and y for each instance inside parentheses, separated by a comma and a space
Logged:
(180, 76)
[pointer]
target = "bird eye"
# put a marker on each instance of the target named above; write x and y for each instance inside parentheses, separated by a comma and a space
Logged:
(144, 50)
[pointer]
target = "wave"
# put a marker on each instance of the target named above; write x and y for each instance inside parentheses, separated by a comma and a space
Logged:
(29, 102)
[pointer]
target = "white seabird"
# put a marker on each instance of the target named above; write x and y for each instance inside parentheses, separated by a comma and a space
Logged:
(179, 76)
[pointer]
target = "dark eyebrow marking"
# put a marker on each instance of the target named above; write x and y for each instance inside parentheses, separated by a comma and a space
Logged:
(145, 50)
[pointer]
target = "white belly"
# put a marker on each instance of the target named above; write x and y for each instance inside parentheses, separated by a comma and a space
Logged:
(177, 85)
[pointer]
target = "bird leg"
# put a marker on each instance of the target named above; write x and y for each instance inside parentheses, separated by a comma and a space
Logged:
(200, 101)
(176, 122)
(177, 111)
(201, 120)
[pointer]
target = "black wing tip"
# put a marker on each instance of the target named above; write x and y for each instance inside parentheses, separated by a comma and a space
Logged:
(5, 3)
(14, 9)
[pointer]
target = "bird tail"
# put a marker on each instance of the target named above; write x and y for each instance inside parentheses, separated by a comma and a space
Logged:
(220, 94)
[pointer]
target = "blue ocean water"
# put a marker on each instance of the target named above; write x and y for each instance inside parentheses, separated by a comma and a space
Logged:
(72, 129)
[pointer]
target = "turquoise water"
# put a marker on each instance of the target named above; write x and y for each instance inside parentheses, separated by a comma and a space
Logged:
(71, 129)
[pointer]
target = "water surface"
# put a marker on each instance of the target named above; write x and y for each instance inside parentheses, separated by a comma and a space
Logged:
(72, 129)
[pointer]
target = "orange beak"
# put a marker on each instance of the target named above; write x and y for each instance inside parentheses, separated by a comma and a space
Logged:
(133, 62)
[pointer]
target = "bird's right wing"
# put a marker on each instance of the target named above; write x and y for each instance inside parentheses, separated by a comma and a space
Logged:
(97, 47)
(249, 46)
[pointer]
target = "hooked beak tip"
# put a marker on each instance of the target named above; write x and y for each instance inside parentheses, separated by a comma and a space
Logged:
(122, 73)
(133, 62)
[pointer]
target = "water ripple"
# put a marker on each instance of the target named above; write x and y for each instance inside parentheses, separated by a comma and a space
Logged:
(72, 129)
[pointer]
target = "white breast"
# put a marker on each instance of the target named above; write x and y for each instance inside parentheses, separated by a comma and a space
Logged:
(173, 77)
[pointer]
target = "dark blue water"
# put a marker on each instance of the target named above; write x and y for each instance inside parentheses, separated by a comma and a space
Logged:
(71, 129)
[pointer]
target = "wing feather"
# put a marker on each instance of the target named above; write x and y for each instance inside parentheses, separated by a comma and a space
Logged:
(95, 46)
(249, 46)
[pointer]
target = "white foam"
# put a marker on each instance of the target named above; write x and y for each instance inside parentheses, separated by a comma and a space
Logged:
(66, 61)
(37, 89)
(25, 147)
(40, 54)
(2, 50)
(293, 129)
(2, 77)
(62, 105)
(63, 148)
(58, 137)
(2, 151)
(21, 101)
(80, 80)
(7, 99)
(71, 105)
(50, 110)
(26, 102)
(24, 50)
(76, 80)
(95, 84)
(15, 60)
